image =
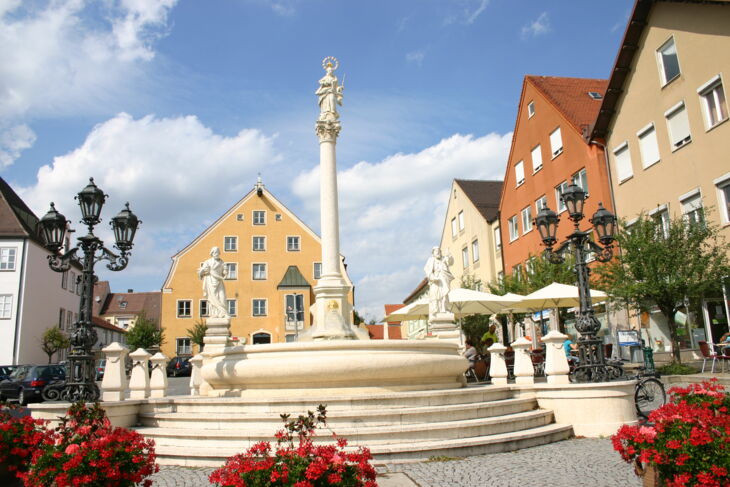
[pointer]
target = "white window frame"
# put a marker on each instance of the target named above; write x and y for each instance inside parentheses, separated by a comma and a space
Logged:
(723, 200)
(536, 161)
(231, 266)
(675, 142)
(465, 257)
(180, 350)
(558, 193)
(514, 229)
(257, 213)
(290, 240)
(294, 317)
(648, 141)
(556, 136)
(622, 162)
(265, 305)
(475, 250)
(661, 213)
(454, 231)
(177, 308)
(232, 307)
(317, 275)
(8, 258)
(253, 271)
(580, 178)
(692, 196)
(660, 62)
(531, 109)
(497, 238)
(526, 215)
(203, 308)
(710, 91)
(519, 174)
(540, 203)
(6, 306)
(460, 215)
(228, 239)
(253, 243)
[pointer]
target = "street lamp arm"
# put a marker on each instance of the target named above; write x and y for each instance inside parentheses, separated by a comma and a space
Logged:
(62, 263)
(557, 256)
(116, 262)
(603, 254)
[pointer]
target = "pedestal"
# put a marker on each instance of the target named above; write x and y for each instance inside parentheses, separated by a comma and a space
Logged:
(139, 383)
(497, 364)
(218, 334)
(443, 326)
(158, 379)
(524, 370)
(114, 384)
(556, 363)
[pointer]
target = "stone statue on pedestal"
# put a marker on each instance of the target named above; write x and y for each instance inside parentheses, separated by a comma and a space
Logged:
(213, 271)
(439, 282)
(329, 92)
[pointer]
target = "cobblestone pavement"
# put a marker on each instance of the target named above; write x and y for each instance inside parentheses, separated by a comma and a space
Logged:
(573, 463)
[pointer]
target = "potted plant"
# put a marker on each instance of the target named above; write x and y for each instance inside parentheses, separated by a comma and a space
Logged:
(685, 443)
(304, 465)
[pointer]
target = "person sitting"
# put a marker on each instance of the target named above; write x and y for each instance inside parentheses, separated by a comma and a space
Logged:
(569, 347)
(724, 343)
(470, 353)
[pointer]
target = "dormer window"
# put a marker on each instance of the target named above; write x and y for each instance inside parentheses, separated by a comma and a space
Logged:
(595, 95)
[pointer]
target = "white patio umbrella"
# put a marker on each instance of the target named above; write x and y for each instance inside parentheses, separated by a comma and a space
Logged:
(414, 311)
(557, 295)
(465, 302)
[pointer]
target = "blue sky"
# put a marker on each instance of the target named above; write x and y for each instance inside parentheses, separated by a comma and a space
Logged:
(177, 105)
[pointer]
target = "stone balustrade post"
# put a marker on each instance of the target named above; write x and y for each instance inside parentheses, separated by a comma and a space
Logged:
(498, 367)
(556, 363)
(114, 384)
(524, 370)
(158, 379)
(139, 383)
(196, 377)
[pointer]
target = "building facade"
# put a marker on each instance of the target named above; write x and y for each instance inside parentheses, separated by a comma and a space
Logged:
(665, 124)
(124, 309)
(273, 261)
(550, 151)
(471, 232)
(32, 296)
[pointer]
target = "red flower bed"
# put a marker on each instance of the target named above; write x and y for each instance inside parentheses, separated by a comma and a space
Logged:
(304, 465)
(689, 442)
(18, 438)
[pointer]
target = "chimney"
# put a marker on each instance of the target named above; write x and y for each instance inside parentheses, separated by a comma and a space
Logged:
(130, 290)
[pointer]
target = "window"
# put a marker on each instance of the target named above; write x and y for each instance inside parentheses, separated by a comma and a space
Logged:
(454, 232)
(519, 173)
(184, 308)
(259, 307)
(580, 179)
(713, 101)
(461, 220)
(559, 204)
(277, 217)
(64, 280)
(259, 271)
(668, 61)
(530, 109)
(540, 203)
(623, 162)
(62, 318)
(513, 230)
(517, 272)
(595, 95)
(230, 244)
(692, 208)
(203, 308)
(294, 311)
(497, 238)
(465, 257)
(231, 271)
(556, 142)
(71, 281)
(536, 159)
(526, 219)
(259, 244)
(259, 217)
(123, 305)
(292, 244)
(661, 217)
(317, 270)
(69, 319)
(239, 217)
(231, 307)
(475, 251)
(7, 258)
(260, 338)
(723, 197)
(678, 125)
(648, 145)
(183, 346)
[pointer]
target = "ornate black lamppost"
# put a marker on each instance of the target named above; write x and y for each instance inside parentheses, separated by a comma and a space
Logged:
(592, 365)
(80, 374)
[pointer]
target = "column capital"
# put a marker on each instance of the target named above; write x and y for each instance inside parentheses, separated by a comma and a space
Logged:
(327, 131)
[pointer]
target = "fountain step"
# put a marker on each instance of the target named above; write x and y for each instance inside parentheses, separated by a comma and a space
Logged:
(366, 435)
(211, 455)
(340, 418)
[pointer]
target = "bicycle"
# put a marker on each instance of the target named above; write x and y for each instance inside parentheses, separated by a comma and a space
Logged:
(649, 393)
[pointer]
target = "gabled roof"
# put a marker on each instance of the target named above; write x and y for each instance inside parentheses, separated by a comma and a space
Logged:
(484, 195)
(102, 323)
(389, 308)
(416, 292)
(16, 219)
(570, 97)
(133, 304)
(293, 278)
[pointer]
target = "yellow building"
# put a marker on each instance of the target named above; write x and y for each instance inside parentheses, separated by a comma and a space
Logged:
(273, 260)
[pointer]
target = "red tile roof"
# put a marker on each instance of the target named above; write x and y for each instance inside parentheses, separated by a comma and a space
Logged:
(376, 332)
(149, 302)
(570, 97)
(389, 308)
(102, 323)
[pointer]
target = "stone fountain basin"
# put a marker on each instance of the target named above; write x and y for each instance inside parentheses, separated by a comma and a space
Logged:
(338, 367)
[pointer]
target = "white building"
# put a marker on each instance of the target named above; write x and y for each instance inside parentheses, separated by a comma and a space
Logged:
(32, 296)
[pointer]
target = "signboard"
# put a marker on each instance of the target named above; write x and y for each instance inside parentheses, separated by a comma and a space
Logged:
(628, 338)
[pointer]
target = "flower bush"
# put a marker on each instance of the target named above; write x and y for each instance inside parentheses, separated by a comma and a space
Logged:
(86, 450)
(19, 436)
(304, 465)
(689, 442)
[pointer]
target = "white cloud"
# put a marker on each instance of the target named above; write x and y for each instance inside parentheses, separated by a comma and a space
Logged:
(13, 141)
(477, 12)
(468, 13)
(58, 57)
(392, 211)
(537, 27)
(175, 172)
(416, 57)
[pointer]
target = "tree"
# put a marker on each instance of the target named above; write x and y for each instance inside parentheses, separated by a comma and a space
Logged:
(666, 267)
(474, 326)
(53, 340)
(145, 334)
(197, 334)
(538, 274)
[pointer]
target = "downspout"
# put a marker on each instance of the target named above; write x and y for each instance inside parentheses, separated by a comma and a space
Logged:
(19, 313)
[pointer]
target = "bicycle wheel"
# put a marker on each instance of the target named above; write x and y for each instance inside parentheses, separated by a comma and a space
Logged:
(649, 396)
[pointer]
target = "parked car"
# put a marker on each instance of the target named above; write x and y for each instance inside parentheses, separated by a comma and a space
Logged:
(100, 367)
(6, 370)
(26, 382)
(179, 366)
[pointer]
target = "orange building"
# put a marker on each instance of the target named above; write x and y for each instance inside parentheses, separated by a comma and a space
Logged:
(549, 151)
